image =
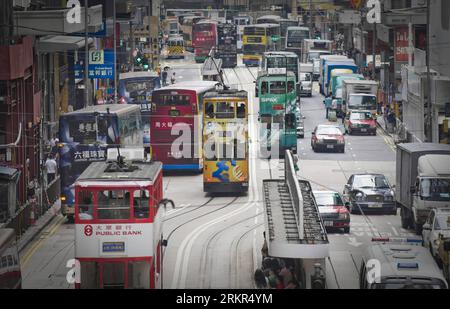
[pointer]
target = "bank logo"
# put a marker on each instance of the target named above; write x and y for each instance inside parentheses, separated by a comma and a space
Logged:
(96, 57)
(74, 14)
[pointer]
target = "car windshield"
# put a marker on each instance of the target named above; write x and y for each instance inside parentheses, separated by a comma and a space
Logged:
(437, 190)
(361, 116)
(328, 131)
(442, 222)
(371, 181)
(407, 286)
(328, 199)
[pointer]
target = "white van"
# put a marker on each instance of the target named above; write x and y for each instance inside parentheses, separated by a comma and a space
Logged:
(399, 263)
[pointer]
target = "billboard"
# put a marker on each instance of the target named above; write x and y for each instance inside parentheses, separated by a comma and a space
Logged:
(401, 44)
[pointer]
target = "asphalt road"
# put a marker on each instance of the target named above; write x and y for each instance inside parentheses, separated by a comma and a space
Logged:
(215, 242)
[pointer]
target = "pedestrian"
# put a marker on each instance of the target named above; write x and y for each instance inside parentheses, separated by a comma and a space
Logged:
(379, 108)
(328, 101)
(286, 274)
(262, 282)
(164, 77)
(385, 116)
(51, 167)
(173, 79)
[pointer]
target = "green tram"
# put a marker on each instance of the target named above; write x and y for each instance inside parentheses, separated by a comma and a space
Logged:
(277, 112)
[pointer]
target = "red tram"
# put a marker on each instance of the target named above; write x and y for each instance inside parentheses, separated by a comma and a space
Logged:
(118, 224)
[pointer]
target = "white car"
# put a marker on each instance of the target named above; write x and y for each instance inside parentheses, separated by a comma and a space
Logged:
(437, 225)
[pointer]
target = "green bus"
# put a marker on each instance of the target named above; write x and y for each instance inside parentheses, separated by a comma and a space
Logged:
(277, 112)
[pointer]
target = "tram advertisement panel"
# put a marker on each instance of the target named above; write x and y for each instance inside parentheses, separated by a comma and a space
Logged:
(114, 240)
(225, 171)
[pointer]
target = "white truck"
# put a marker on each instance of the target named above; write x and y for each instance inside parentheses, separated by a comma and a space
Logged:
(359, 95)
(422, 181)
(306, 83)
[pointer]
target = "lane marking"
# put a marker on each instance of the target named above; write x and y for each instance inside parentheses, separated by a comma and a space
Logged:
(44, 236)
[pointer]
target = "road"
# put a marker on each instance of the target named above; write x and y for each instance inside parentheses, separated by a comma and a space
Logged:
(215, 242)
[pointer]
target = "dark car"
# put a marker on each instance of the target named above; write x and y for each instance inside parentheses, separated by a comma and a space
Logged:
(332, 210)
(361, 122)
(327, 137)
(370, 192)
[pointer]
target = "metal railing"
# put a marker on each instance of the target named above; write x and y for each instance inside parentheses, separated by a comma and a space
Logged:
(294, 189)
(31, 211)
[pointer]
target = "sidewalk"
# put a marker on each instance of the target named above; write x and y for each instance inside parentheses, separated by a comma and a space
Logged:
(40, 225)
(382, 124)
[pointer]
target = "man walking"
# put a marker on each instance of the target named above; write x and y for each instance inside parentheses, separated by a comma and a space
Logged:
(51, 167)
(164, 77)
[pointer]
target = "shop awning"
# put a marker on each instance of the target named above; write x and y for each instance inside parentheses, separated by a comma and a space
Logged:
(60, 43)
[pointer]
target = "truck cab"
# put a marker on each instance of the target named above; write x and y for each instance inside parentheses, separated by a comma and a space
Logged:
(306, 79)
(432, 186)
(422, 182)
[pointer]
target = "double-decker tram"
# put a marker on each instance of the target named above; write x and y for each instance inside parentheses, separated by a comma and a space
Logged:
(86, 134)
(259, 39)
(118, 222)
(176, 125)
(204, 38)
(137, 88)
(10, 274)
(225, 141)
(274, 61)
(277, 112)
(175, 47)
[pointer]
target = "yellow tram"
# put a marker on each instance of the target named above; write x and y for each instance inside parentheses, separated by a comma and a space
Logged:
(225, 142)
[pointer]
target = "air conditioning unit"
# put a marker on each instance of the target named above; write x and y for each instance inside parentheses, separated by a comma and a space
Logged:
(22, 3)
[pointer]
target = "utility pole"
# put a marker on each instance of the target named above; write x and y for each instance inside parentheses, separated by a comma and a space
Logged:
(150, 41)
(115, 51)
(374, 50)
(86, 55)
(429, 123)
(310, 20)
(6, 18)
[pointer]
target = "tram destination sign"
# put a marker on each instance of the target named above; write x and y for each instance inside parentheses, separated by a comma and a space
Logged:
(113, 247)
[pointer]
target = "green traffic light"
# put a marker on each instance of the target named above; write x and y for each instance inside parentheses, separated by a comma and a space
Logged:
(146, 66)
(138, 59)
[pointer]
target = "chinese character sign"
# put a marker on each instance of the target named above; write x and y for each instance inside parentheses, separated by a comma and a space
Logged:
(101, 63)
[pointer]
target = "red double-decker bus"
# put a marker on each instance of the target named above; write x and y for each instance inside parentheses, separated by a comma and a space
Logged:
(118, 223)
(204, 37)
(176, 125)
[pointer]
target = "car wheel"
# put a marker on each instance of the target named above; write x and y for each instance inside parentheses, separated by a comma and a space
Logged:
(347, 230)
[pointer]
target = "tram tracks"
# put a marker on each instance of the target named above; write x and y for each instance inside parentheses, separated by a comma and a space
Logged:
(196, 217)
(207, 259)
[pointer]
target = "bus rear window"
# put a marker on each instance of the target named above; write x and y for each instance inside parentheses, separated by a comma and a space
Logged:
(173, 100)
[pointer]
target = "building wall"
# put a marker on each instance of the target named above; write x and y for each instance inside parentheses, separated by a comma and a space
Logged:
(440, 38)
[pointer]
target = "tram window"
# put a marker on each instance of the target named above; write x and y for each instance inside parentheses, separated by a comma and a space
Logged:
(225, 110)
(291, 86)
(89, 275)
(4, 262)
(114, 275)
(85, 205)
(114, 205)
(141, 204)
(241, 110)
(290, 121)
(264, 87)
(139, 275)
(209, 110)
(277, 87)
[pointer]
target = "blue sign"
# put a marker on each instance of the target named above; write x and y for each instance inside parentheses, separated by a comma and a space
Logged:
(101, 65)
(112, 247)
